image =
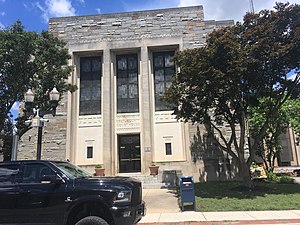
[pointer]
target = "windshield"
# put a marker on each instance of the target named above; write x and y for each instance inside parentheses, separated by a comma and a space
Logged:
(71, 170)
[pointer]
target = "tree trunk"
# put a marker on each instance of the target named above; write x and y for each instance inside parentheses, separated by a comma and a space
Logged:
(244, 172)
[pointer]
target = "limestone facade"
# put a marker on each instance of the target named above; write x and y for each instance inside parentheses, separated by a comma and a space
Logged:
(149, 135)
(143, 33)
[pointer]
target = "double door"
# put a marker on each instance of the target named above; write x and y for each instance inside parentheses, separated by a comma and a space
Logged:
(129, 153)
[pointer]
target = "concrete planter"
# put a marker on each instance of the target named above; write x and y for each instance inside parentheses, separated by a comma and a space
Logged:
(100, 172)
(153, 170)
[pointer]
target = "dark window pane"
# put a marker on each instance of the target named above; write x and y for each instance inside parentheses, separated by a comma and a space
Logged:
(133, 78)
(168, 148)
(89, 152)
(122, 91)
(90, 86)
(158, 61)
(132, 63)
(132, 91)
(168, 61)
(127, 84)
(159, 88)
(96, 66)
(169, 71)
(122, 75)
(85, 66)
(122, 63)
(163, 69)
(159, 75)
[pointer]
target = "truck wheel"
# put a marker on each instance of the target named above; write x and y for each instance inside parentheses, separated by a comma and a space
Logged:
(92, 220)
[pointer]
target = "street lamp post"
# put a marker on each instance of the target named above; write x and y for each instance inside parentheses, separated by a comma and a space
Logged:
(36, 115)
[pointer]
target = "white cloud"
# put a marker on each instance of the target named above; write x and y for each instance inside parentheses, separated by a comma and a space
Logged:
(2, 0)
(60, 8)
(148, 5)
(25, 6)
(230, 9)
(98, 10)
(183, 3)
(56, 8)
(2, 26)
(2, 13)
(81, 1)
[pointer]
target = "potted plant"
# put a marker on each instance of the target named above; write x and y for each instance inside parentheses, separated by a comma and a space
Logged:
(99, 170)
(153, 169)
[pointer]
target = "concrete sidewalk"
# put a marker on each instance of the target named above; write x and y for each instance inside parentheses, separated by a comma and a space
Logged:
(248, 217)
(163, 208)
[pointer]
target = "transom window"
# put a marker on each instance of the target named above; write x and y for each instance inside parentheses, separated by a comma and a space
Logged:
(127, 84)
(163, 69)
(90, 85)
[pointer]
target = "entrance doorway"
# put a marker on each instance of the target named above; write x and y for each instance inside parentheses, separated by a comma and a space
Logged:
(129, 153)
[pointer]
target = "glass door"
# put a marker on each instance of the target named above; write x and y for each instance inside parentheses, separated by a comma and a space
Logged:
(129, 153)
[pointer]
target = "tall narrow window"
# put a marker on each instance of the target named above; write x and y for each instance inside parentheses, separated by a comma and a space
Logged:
(168, 147)
(127, 84)
(89, 152)
(163, 70)
(90, 86)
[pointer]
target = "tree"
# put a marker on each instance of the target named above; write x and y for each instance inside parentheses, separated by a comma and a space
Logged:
(6, 136)
(217, 84)
(288, 116)
(30, 60)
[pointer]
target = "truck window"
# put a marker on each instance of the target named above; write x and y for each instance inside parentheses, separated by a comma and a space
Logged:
(8, 174)
(33, 173)
(72, 171)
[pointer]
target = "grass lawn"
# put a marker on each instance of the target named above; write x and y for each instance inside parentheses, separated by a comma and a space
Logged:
(230, 196)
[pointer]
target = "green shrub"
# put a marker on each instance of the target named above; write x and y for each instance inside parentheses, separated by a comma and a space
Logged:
(286, 179)
(272, 177)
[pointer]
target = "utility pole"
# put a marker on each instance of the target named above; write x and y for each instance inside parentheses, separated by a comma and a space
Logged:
(251, 6)
(15, 142)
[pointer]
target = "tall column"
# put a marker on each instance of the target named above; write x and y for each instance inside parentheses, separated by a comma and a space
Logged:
(107, 117)
(146, 111)
(72, 113)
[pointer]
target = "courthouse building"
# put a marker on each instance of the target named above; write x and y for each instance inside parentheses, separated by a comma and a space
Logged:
(122, 67)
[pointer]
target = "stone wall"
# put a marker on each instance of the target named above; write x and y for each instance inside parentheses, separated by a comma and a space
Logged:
(53, 139)
(185, 22)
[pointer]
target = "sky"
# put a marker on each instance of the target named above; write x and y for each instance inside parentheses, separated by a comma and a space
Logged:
(35, 14)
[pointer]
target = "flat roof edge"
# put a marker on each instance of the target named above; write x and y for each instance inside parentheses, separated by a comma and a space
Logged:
(109, 15)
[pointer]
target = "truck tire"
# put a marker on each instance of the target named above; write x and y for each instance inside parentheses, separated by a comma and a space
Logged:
(92, 220)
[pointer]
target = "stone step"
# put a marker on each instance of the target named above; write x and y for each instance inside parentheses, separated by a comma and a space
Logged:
(165, 179)
(158, 186)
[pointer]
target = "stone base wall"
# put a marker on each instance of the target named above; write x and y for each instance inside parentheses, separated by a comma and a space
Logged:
(53, 139)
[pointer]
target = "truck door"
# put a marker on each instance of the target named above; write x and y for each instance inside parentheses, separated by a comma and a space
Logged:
(38, 201)
(9, 174)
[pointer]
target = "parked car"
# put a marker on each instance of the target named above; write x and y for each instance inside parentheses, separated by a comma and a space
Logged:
(54, 192)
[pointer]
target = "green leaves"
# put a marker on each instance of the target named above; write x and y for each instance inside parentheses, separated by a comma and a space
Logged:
(31, 60)
(240, 66)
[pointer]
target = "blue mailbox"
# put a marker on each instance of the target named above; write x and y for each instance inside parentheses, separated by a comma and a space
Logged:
(187, 190)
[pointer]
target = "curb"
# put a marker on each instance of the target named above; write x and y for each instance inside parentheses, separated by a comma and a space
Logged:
(244, 222)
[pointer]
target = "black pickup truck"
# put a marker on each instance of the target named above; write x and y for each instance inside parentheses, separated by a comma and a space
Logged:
(52, 192)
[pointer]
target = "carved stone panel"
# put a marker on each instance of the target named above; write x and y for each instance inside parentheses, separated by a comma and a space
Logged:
(128, 122)
(90, 121)
(164, 117)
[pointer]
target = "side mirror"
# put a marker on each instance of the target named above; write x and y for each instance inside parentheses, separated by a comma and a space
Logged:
(55, 179)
